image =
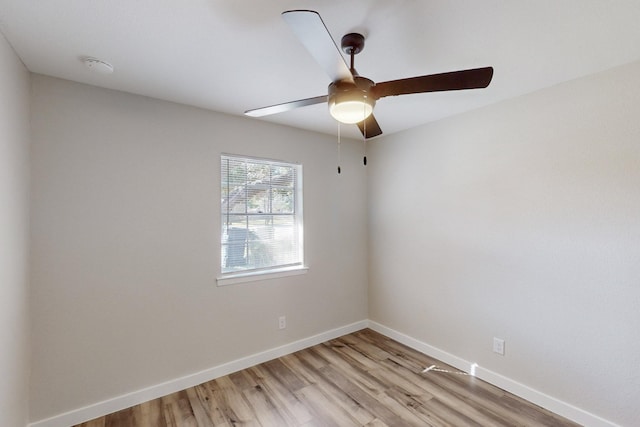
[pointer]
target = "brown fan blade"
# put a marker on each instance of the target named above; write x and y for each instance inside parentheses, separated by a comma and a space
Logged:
(279, 108)
(371, 126)
(456, 80)
(313, 34)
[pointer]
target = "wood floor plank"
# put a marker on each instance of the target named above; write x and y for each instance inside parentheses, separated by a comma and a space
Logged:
(376, 423)
(447, 415)
(290, 407)
(324, 408)
(355, 372)
(148, 413)
(360, 379)
(409, 403)
(207, 391)
(334, 394)
(232, 404)
(178, 409)
(121, 418)
(366, 397)
(264, 409)
(199, 407)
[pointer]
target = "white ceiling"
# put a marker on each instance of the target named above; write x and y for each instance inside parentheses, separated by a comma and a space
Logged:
(234, 55)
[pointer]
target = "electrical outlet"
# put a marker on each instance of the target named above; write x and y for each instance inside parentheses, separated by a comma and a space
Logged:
(282, 322)
(498, 346)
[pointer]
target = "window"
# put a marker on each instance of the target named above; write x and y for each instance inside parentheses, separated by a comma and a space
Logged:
(261, 216)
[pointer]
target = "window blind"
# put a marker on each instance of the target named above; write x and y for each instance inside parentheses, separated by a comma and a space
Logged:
(261, 212)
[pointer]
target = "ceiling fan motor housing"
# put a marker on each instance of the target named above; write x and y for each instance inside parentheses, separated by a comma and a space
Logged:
(351, 102)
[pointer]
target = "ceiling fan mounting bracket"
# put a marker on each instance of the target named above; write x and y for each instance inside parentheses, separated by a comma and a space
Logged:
(352, 43)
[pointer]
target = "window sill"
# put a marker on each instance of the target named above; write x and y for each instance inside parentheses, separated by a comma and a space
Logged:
(261, 275)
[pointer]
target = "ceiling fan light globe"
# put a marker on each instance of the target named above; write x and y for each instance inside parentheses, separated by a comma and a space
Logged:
(350, 112)
(351, 102)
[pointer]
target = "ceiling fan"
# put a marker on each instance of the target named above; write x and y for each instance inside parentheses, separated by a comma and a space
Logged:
(351, 97)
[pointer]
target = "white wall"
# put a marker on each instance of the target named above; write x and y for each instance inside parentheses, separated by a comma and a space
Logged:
(14, 229)
(520, 221)
(125, 234)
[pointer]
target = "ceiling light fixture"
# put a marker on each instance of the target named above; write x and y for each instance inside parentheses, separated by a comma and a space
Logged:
(351, 103)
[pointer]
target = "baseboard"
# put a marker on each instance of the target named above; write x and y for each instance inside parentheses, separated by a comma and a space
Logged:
(134, 398)
(534, 396)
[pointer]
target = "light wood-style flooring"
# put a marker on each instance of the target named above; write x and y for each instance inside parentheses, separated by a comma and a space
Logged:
(360, 379)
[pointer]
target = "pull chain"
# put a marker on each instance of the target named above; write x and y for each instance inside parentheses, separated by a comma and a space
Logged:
(365, 152)
(339, 159)
(364, 139)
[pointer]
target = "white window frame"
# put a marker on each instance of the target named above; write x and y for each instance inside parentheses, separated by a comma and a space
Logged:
(270, 272)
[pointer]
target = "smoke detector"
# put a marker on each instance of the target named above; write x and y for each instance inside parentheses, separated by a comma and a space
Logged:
(98, 66)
